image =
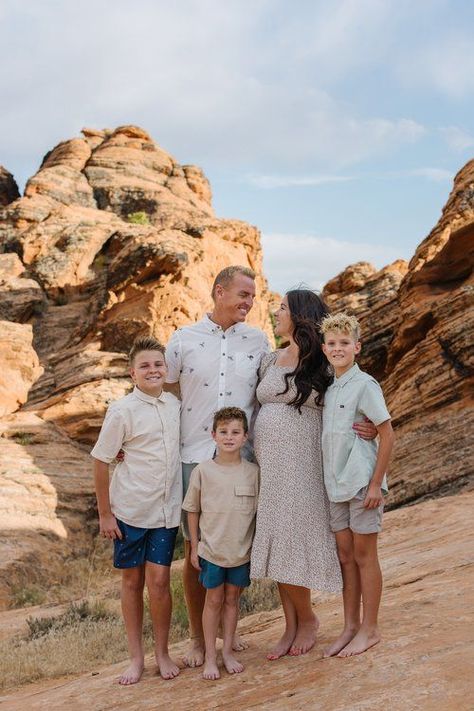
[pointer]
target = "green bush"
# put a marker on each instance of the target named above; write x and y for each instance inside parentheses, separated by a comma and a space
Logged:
(138, 218)
(22, 438)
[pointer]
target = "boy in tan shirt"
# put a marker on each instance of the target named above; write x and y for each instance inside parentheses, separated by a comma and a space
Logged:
(221, 502)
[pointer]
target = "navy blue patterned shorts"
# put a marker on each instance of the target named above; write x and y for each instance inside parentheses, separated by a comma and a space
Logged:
(138, 545)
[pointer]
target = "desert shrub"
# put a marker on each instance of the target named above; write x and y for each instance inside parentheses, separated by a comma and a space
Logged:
(179, 618)
(262, 595)
(23, 438)
(72, 649)
(27, 596)
(138, 218)
(75, 614)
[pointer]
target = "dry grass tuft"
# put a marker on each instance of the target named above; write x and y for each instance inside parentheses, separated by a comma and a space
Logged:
(89, 634)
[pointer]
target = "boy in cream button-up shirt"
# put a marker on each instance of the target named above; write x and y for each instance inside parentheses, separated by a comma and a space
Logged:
(141, 510)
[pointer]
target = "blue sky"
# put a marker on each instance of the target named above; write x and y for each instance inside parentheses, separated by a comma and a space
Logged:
(335, 127)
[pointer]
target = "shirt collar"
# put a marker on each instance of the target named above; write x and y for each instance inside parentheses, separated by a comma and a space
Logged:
(348, 375)
(148, 398)
(215, 328)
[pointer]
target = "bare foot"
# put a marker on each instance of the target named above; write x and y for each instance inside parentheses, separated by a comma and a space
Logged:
(361, 642)
(305, 638)
(167, 668)
(133, 674)
(210, 670)
(341, 642)
(239, 644)
(194, 657)
(231, 664)
(283, 645)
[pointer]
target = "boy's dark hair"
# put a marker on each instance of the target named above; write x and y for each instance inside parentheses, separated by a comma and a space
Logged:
(226, 414)
(144, 343)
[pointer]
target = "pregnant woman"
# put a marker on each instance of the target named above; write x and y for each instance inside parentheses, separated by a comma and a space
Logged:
(293, 543)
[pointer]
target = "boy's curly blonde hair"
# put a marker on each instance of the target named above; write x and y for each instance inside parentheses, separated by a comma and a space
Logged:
(340, 323)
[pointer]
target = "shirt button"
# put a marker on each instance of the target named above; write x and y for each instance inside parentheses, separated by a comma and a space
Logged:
(220, 394)
(222, 373)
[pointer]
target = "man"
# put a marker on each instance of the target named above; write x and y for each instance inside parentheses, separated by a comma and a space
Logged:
(213, 364)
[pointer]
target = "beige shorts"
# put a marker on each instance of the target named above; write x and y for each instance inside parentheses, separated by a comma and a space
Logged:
(352, 514)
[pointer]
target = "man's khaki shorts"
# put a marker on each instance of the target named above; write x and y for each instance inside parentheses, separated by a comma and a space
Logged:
(352, 514)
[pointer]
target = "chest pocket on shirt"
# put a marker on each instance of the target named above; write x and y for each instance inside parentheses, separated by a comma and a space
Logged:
(344, 417)
(246, 364)
(244, 498)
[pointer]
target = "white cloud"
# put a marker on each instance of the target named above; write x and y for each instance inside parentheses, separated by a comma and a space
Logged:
(457, 138)
(293, 259)
(444, 62)
(437, 175)
(208, 79)
(268, 182)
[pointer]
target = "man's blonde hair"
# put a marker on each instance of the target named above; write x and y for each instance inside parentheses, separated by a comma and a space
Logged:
(340, 323)
(226, 275)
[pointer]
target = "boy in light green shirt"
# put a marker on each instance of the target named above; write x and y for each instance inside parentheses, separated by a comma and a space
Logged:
(354, 475)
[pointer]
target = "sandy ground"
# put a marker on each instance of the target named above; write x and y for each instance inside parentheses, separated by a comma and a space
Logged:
(425, 659)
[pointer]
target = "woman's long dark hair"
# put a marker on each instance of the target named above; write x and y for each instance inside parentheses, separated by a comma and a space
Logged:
(306, 311)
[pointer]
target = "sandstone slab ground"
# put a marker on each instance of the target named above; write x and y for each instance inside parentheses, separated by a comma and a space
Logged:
(424, 661)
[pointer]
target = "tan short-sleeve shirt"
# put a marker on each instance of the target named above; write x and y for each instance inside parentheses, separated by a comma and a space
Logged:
(146, 487)
(226, 498)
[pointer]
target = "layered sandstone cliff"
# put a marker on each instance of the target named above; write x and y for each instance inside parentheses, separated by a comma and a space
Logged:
(113, 238)
(418, 327)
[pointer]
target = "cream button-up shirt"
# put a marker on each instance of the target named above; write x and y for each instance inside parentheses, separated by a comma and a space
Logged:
(215, 369)
(146, 487)
(348, 460)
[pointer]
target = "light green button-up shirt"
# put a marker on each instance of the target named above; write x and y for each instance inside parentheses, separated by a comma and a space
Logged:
(348, 460)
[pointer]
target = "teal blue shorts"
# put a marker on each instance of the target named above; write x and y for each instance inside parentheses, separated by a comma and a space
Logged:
(212, 575)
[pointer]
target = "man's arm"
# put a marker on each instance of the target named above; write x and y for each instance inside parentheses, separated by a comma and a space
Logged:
(386, 439)
(107, 522)
(193, 526)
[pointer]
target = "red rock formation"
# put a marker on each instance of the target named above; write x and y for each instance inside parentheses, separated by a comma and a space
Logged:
(418, 327)
(19, 365)
(8, 187)
(112, 239)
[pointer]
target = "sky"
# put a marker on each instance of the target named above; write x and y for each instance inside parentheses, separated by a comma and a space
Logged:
(334, 127)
